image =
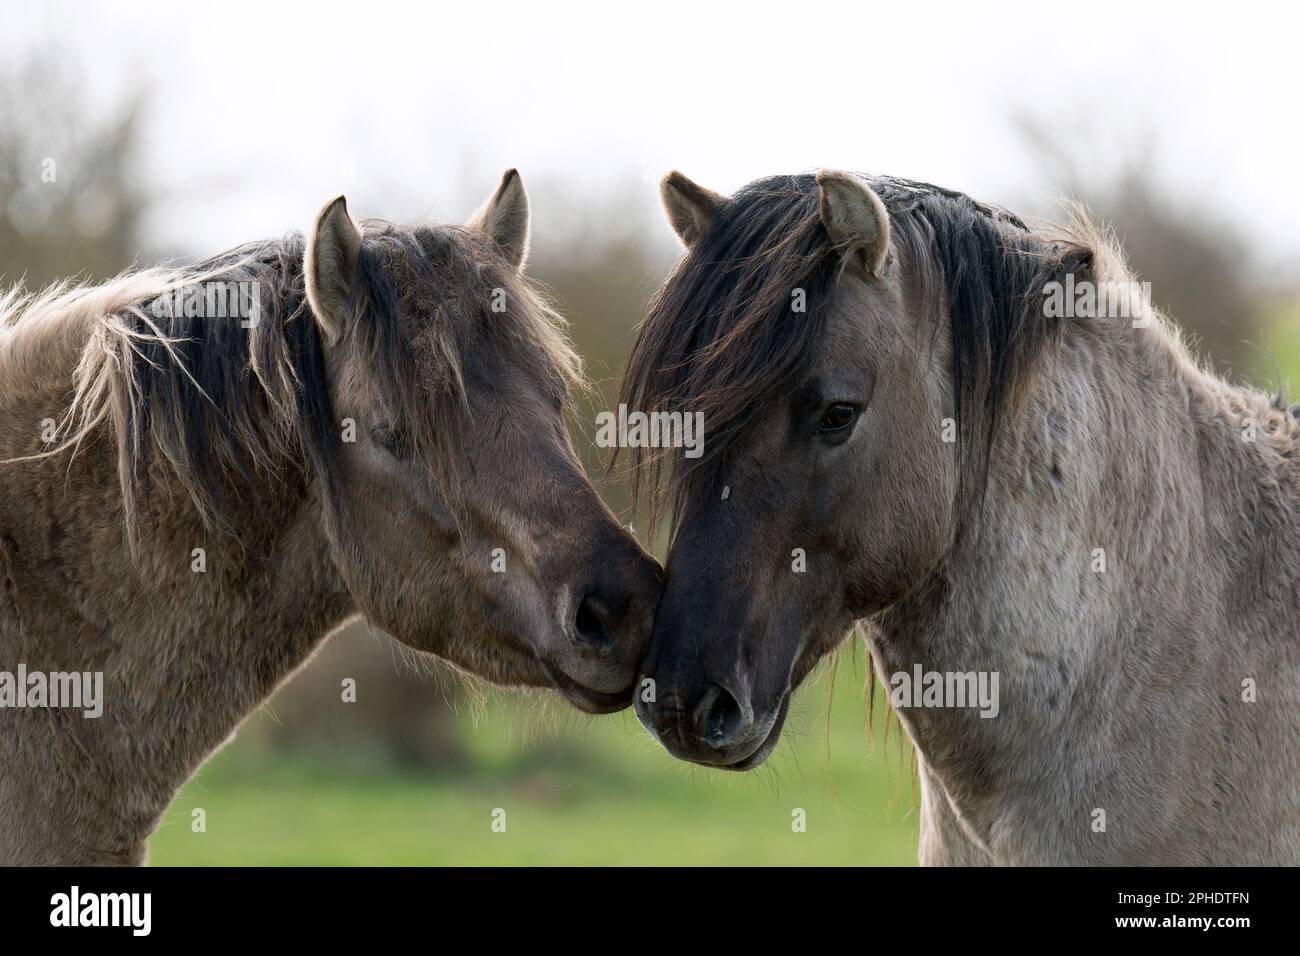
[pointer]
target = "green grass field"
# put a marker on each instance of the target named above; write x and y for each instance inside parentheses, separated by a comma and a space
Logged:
(575, 790)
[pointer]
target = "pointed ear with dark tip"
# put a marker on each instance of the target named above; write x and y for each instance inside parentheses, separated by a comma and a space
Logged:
(690, 207)
(329, 267)
(504, 219)
(856, 221)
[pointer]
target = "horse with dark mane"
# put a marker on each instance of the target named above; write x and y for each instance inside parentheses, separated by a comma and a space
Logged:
(902, 430)
(208, 469)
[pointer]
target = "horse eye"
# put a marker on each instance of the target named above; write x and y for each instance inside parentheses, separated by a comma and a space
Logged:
(390, 440)
(837, 418)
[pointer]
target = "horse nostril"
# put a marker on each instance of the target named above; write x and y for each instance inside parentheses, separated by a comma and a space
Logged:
(589, 622)
(721, 718)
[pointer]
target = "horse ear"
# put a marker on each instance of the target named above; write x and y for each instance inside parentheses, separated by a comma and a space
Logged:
(855, 219)
(503, 218)
(690, 207)
(330, 265)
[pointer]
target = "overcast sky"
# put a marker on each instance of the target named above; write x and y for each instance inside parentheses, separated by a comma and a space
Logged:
(263, 111)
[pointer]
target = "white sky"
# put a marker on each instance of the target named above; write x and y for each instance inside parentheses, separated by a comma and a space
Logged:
(263, 111)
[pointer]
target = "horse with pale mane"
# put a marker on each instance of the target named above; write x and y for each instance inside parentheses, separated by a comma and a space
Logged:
(385, 436)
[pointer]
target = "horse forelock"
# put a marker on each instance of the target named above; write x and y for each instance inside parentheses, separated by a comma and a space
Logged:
(430, 301)
(718, 338)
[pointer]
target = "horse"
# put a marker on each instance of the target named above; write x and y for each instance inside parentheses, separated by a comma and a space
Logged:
(197, 492)
(904, 434)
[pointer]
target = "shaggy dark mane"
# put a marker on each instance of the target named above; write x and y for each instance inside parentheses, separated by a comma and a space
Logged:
(720, 336)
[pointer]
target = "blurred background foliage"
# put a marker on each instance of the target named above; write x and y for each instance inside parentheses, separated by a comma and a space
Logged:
(412, 771)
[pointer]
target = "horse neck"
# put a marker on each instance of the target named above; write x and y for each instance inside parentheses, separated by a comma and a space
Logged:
(1132, 550)
(188, 645)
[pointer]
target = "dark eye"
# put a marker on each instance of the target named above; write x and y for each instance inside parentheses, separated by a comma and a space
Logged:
(390, 440)
(837, 418)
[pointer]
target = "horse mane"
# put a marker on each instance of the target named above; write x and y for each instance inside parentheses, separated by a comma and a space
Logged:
(720, 336)
(219, 408)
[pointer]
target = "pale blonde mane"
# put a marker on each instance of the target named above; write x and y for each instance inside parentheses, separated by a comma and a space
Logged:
(75, 332)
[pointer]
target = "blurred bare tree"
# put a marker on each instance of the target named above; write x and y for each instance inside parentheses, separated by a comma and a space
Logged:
(1202, 271)
(72, 187)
